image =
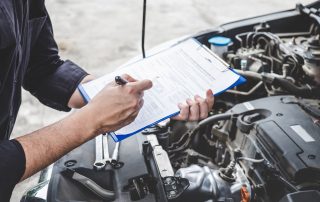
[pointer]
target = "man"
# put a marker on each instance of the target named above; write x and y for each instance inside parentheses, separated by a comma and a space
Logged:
(29, 58)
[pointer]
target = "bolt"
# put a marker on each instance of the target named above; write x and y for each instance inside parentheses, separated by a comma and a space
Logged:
(168, 180)
(70, 163)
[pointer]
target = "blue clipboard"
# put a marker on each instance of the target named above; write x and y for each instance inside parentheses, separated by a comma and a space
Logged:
(120, 137)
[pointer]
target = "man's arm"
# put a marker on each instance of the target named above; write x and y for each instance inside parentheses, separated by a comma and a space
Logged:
(48, 144)
(76, 100)
(114, 107)
(50, 79)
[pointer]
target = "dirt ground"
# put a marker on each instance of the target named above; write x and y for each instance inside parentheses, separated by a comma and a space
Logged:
(100, 35)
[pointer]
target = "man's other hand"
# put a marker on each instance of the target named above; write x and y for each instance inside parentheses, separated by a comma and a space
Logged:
(76, 100)
(117, 106)
(197, 109)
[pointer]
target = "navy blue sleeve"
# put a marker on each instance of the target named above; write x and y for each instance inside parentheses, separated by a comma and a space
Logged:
(49, 78)
(12, 166)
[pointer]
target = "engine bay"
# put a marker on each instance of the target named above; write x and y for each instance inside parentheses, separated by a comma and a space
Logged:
(261, 141)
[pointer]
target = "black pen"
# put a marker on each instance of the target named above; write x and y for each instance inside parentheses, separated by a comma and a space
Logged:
(120, 81)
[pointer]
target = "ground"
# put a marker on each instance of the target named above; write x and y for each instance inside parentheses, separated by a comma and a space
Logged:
(100, 35)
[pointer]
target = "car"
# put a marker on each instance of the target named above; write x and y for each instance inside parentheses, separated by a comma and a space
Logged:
(261, 142)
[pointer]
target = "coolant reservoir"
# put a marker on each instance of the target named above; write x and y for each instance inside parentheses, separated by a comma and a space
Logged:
(219, 44)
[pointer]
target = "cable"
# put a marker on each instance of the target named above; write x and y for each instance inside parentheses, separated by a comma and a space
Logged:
(286, 182)
(250, 159)
(143, 28)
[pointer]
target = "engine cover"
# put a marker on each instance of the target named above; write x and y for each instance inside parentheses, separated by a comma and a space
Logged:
(282, 128)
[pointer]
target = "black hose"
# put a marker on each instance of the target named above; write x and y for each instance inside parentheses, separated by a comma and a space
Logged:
(212, 119)
(303, 91)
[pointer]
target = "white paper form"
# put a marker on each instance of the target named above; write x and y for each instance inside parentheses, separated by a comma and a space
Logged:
(178, 73)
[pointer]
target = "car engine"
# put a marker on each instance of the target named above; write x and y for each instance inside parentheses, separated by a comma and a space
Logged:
(261, 142)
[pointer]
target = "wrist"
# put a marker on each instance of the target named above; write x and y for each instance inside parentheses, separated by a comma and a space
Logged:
(90, 121)
(87, 78)
(84, 124)
(76, 100)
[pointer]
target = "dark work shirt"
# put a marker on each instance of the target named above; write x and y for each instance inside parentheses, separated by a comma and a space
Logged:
(29, 59)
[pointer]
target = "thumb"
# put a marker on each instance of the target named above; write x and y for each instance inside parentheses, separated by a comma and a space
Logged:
(141, 85)
(128, 77)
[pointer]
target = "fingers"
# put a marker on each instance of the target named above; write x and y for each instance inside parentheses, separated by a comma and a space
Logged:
(209, 99)
(142, 85)
(197, 109)
(137, 109)
(203, 105)
(128, 78)
(137, 86)
(184, 112)
(194, 110)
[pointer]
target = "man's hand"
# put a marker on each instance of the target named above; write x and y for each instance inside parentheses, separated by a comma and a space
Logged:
(114, 107)
(117, 106)
(197, 109)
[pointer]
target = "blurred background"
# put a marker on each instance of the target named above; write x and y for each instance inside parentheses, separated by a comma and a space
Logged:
(100, 35)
